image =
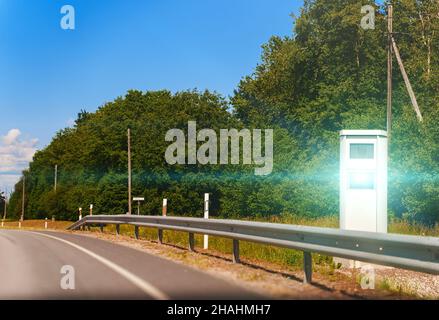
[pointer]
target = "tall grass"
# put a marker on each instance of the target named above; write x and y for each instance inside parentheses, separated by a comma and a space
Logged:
(411, 228)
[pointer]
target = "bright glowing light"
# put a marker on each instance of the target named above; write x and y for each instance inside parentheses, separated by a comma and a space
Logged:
(362, 180)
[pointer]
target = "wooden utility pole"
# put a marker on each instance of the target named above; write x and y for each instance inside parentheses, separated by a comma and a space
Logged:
(56, 177)
(129, 171)
(22, 200)
(389, 69)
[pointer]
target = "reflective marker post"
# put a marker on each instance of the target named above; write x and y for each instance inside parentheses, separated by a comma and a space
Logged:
(164, 212)
(206, 216)
(165, 207)
(80, 216)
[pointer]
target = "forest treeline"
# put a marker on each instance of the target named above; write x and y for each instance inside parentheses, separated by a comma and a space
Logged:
(328, 75)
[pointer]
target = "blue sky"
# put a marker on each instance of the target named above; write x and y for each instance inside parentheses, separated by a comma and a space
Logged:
(48, 74)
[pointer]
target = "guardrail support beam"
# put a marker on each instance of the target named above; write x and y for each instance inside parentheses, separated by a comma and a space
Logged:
(236, 251)
(191, 242)
(307, 267)
(136, 232)
(117, 229)
(160, 236)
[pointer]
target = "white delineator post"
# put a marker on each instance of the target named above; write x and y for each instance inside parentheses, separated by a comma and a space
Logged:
(45, 223)
(91, 209)
(165, 207)
(164, 212)
(206, 216)
(80, 213)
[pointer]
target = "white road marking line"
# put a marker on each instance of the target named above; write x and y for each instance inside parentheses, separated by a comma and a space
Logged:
(138, 282)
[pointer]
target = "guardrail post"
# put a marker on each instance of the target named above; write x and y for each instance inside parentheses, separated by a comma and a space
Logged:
(307, 267)
(101, 227)
(117, 229)
(136, 232)
(191, 242)
(236, 251)
(160, 236)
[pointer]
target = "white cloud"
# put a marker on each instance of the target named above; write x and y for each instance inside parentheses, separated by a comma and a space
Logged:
(11, 136)
(15, 155)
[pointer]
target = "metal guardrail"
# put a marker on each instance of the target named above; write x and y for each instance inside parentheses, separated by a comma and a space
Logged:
(401, 251)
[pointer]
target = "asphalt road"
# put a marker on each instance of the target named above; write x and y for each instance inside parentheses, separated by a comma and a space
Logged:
(31, 265)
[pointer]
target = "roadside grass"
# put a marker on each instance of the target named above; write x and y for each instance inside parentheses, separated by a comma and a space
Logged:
(404, 227)
(37, 224)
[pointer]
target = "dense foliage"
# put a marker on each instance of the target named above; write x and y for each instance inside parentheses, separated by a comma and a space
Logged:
(329, 75)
